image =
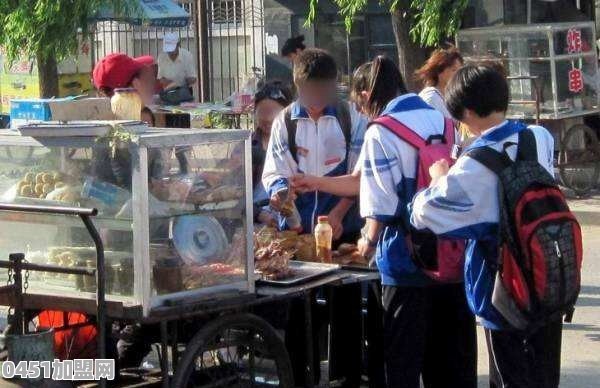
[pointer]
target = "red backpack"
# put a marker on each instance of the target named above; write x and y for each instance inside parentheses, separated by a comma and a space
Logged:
(441, 259)
(538, 268)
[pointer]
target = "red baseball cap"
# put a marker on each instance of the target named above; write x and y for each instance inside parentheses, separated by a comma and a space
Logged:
(117, 70)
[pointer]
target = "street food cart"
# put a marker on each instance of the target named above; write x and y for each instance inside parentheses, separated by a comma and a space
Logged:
(553, 77)
(168, 241)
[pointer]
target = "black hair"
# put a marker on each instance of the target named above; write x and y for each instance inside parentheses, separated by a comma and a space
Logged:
(276, 91)
(292, 45)
(385, 84)
(149, 111)
(481, 89)
(360, 80)
(314, 65)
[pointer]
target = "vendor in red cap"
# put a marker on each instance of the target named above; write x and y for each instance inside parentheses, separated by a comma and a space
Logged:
(121, 71)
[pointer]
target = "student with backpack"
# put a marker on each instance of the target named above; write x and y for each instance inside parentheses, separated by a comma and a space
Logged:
(318, 134)
(522, 271)
(428, 329)
(314, 135)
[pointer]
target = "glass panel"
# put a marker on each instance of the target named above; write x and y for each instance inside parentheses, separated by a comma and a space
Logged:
(577, 84)
(66, 176)
(574, 40)
(197, 216)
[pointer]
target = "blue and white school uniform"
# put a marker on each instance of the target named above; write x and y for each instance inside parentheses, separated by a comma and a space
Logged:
(388, 184)
(464, 204)
(321, 151)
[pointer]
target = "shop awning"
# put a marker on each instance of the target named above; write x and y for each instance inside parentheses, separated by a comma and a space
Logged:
(155, 13)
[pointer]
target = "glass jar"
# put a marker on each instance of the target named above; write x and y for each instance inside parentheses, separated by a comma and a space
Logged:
(126, 104)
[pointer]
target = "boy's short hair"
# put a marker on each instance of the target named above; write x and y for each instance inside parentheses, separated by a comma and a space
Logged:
(481, 89)
(314, 65)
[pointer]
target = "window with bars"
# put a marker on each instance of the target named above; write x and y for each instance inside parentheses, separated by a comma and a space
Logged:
(228, 12)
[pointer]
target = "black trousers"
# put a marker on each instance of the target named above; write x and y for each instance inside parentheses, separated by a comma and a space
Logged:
(521, 361)
(430, 333)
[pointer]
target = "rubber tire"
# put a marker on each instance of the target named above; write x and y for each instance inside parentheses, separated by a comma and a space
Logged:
(563, 172)
(268, 333)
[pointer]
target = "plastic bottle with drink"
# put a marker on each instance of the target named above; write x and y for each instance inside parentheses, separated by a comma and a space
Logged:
(323, 239)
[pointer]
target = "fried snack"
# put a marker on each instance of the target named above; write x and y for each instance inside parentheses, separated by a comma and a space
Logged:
(47, 178)
(345, 249)
(26, 191)
(29, 177)
(20, 185)
(39, 178)
(46, 188)
(305, 248)
(39, 189)
(351, 258)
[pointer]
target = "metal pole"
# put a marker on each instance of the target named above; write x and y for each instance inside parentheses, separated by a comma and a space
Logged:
(17, 260)
(164, 359)
(100, 295)
(203, 45)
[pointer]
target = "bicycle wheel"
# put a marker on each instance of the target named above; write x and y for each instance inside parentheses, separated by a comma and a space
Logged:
(235, 351)
(579, 159)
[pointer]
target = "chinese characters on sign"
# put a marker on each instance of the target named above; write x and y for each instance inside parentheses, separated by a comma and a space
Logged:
(574, 44)
(575, 80)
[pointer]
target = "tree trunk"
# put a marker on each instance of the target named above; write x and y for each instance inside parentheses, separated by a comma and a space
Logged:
(48, 72)
(410, 55)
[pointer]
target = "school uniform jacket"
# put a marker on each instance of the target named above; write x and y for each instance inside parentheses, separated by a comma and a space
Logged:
(464, 204)
(321, 151)
(388, 184)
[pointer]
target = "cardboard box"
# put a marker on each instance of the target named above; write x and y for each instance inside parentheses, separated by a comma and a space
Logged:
(59, 109)
(81, 109)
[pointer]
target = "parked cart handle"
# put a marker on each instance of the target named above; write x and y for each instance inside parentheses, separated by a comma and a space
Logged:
(70, 211)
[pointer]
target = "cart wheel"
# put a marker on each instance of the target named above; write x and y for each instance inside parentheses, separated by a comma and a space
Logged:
(579, 159)
(235, 351)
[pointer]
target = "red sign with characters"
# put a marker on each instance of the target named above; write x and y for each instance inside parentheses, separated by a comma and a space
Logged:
(575, 80)
(574, 43)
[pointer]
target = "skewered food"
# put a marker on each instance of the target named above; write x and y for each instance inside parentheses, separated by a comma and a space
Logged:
(348, 254)
(198, 276)
(271, 256)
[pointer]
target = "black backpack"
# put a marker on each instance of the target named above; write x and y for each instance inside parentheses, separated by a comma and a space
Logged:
(538, 266)
(342, 110)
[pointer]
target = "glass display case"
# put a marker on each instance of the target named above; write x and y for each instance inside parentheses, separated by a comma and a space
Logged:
(562, 57)
(175, 212)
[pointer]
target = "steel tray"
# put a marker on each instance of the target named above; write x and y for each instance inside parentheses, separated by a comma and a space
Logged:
(302, 272)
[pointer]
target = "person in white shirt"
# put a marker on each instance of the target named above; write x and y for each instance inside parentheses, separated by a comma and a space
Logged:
(175, 64)
(435, 74)
(463, 202)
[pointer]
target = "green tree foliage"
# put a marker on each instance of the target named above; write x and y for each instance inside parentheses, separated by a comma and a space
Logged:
(432, 21)
(48, 28)
(49, 31)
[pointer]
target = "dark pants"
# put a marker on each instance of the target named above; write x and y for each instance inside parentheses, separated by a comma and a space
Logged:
(429, 332)
(374, 337)
(520, 361)
(345, 352)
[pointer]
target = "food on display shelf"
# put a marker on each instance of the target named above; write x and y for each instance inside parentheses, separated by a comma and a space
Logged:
(217, 194)
(348, 254)
(46, 185)
(306, 248)
(272, 256)
(199, 276)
